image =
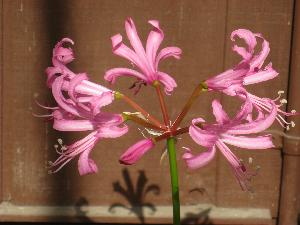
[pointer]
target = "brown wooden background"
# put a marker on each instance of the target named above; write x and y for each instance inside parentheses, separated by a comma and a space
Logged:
(29, 30)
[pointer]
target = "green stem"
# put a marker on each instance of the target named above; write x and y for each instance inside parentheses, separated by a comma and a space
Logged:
(174, 180)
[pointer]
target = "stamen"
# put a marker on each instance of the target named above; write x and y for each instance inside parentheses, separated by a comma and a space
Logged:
(60, 141)
(283, 101)
(293, 111)
(250, 160)
(293, 124)
(280, 92)
(287, 127)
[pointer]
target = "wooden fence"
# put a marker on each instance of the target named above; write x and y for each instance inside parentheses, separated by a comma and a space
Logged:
(29, 30)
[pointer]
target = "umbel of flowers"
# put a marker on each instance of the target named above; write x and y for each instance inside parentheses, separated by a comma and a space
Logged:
(80, 102)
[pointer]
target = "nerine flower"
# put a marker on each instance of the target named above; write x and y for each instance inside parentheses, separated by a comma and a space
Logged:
(230, 131)
(79, 109)
(146, 60)
(250, 71)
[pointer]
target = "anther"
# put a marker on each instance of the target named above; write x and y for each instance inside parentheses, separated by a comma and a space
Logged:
(280, 92)
(60, 141)
(250, 160)
(293, 124)
(287, 127)
(283, 101)
(293, 111)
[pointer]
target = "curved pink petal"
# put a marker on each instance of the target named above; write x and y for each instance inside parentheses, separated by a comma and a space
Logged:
(112, 74)
(154, 40)
(245, 109)
(52, 73)
(258, 60)
(111, 131)
(73, 125)
(60, 99)
(167, 52)
(232, 77)
(258, 142)
(86, 88)
(61, 54)
(255, 126)
(200, 160)
(108, 119)
(136, 151)
(122, 50)
(263, 75)
(250, 40)
(240, 172)
(220, 115)
(85, 164)
(74, 82)
(98, 102)
(167, 81)
(200, 136)
(136, 43)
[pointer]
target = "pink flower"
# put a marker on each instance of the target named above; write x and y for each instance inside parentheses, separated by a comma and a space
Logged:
(230, 131)
(146, 60)
(250, 71)
(61, 57)
(79, 109)
(136, 151)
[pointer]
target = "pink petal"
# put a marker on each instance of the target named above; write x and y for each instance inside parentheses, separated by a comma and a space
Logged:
(154, 40)
(122, 50)
(52, 73)
(74, 83)
(200, 160)
(73, 125)
(136, 43)
(238, 167)
(200, 136)
(168, 52)
(136, 151)
(259, 142)
(61, 54)
(250, 40)
(108, 119)
(112, 74)
(98, 102)
(85, 164)
(111, 131)
(59, 97)
(232, 77)
(258, 60)
(257, 125)
(86, 88)
(167, 81)
(267, 74)
(220, 115)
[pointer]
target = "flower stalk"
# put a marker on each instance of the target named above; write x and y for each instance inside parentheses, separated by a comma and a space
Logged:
(162, 103)
(133, 104)
(174, 180)
(197, 91)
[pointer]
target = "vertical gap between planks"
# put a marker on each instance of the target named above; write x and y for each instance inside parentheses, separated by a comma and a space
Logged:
(1, 99)
(223, 68)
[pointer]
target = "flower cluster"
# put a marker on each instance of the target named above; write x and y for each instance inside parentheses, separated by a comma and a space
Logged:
(81, 109)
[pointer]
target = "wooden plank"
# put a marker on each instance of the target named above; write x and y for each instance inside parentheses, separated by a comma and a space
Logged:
(290, 194)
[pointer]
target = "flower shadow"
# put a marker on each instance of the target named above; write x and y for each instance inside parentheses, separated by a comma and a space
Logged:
(198, 218)
(135, 195)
